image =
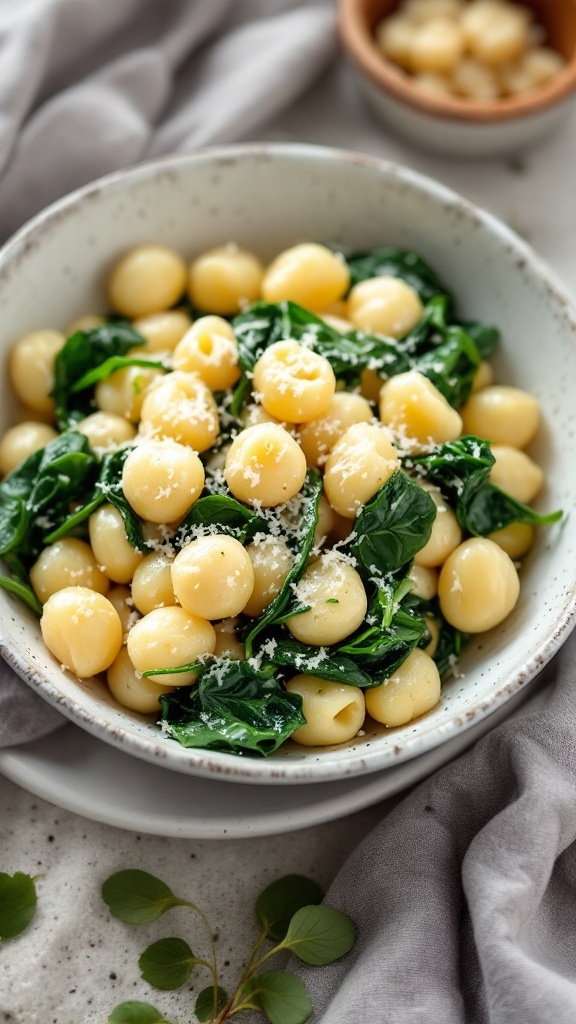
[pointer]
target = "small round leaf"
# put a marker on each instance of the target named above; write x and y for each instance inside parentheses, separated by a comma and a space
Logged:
(282, 997)
(319, 935)
(17, 903)
(204, 1008)
(137, 897)
(280, 901)
(135, 1012)
(167, 964)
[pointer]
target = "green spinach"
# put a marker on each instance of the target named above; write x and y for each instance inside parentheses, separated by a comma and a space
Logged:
(220, 513)
(41, 490)
(108, 487)
(392, 527)
(443, 352)
(82, 353)
(391, 262)
(348, 354)
(461, 470)
(304, 540)
(234, 707)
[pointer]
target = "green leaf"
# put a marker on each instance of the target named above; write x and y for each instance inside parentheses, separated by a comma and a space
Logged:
(204, 1006)
(23, 591)
(76, 519)
(168, 963)
(281, 996)
(450, 640)
(137, 897)
(135, 1012)
(485, 337)
(308, 519)
(108, 367)
(324, 662)
(108, 487)
(392, 526)
(381, 650)
(319, 935)
(390, 262)
(491, 509)
(82, 352)
(278, 903)
(235, 708)
(14, 521)
(451, 365)
(43, 486)
(225, 513)
(461, 470)
(348, 354)
(17, 903)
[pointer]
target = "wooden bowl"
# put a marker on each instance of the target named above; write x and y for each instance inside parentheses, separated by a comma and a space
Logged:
(450, 123)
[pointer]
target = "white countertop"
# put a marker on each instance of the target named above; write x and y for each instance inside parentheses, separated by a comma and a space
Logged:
(74, 964)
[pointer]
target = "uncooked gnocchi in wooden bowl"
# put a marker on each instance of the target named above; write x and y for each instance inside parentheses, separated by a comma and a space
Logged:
(275, 502)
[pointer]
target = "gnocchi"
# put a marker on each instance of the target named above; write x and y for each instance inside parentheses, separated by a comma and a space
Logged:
(469, 49)
(262, 532)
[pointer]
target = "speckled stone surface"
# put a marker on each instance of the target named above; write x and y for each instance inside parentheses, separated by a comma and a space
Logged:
(74, 964)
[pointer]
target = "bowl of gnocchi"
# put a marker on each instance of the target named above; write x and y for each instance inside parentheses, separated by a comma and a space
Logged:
(469, 77)
(287, 462)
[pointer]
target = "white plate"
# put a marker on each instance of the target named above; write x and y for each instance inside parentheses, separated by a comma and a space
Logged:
(80, 773)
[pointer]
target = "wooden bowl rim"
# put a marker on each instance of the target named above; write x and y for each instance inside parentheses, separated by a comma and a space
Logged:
(360, 44)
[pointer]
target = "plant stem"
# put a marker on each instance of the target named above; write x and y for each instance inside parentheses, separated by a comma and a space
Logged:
(249, 969)
(258, 963)
(242, 1006)
(212, 967)
(225, 1011)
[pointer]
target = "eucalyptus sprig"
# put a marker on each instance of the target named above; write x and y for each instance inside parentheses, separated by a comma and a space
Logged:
(290, 917)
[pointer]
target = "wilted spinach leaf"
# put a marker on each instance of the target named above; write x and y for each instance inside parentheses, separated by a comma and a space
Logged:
(391, 262)
(489, 509)
(451, 365)
(484, 336)
(82, 352)
(461, 470)
(392, 527)
(308, 518)
(109, 366)
(108, 487)
(41, 488)
(324, 662)
(234, 707)
(442, 351)
(22, 590)
(348, 354)
(223, 513)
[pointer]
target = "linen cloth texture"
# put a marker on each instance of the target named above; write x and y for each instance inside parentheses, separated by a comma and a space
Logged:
(91, 86)
(465, 895)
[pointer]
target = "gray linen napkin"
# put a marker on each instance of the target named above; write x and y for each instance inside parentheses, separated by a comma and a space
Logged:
(90, 86)
(465, 895)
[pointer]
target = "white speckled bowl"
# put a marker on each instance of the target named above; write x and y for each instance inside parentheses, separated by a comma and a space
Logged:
(266, 198)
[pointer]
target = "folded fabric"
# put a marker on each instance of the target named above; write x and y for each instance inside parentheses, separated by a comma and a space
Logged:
(465, 895)
(91, 87)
